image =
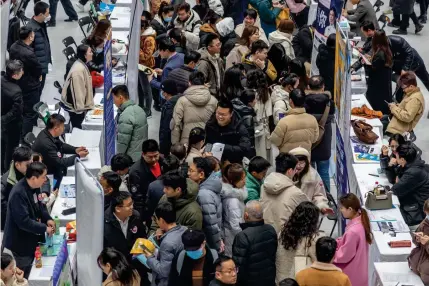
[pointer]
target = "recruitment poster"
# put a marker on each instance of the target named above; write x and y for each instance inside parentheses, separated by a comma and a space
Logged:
(342, 175)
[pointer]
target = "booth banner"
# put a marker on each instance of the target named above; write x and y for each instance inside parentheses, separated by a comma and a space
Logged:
(108, 115)
(61, 260)
(4, 26)
(318, 40)
(342, 175)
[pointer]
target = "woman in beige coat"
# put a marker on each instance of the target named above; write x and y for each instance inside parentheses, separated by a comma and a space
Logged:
(116, 267)
(193, 109)
(242, 48)
(77, 94)
(298, 239)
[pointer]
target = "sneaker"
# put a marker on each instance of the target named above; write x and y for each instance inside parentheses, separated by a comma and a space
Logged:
(70, 20)
(51, 24)
(399, 32)
(392, 25)
(419, 28)
(388, 11)
(80, 7)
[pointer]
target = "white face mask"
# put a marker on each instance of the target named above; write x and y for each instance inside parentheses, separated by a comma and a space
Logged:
(47, 19)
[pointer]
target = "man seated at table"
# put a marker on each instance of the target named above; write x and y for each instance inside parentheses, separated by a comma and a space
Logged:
(412, 185)
(120, 164)
(53, 149)
(111, 182)
(27, 219)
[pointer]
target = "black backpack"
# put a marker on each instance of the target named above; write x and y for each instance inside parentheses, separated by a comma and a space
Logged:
(277, 56)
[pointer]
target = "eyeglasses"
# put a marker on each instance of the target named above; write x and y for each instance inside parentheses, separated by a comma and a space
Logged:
(218, 45)
(230, 271)
(127, 206)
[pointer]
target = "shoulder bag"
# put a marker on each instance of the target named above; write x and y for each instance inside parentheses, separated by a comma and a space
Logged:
(322, 123)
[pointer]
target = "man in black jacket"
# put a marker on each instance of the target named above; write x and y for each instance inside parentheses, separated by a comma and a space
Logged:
(11, 111)
(302, 43)
(30, 81)
(21, 158)
(169, 91)
(142, 173)
(412, 185)
(27, 220)
(225, 127)
(53, 149)
(41, 45)
(254, 249)
(180, 76)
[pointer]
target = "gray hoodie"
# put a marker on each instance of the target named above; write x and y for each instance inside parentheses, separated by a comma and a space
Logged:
(209, 200)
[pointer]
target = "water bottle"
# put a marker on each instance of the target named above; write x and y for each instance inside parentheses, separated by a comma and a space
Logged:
(57, 225)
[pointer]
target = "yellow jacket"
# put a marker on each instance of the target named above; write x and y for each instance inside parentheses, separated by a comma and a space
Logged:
(269, 69)
(322, 274)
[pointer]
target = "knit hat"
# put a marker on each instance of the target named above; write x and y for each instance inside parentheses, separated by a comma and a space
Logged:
(169, 86)
(300, 151)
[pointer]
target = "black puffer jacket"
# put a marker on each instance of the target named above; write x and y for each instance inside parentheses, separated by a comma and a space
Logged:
(11, 103)
(41, 45)
(404, 7)
(302, 43)
(412, 190)
(97, 63)
(325, 62)
(181, 77)
(254, 251)
(164, 126)
(234, 135)
(405, 57)
(30, 80)
(315, 104)
(246, 114)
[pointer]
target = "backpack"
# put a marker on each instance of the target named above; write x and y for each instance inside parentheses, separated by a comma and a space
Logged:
(181, 257)
(279, 59)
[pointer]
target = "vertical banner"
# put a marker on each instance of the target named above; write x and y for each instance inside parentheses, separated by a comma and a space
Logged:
(319, 29)
(4, 26)
(61, 260)
(108, 115)
(342, 175)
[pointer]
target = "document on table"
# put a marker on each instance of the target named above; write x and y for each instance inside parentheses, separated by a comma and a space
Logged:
(217, 150)
(46, 271)
(401, 278)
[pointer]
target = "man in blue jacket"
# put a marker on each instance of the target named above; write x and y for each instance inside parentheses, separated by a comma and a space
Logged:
(27, 218)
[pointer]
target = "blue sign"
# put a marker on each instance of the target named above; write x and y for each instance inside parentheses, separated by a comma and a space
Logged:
(322, 16)
(342, 175)
(108, 115)
(61, 260)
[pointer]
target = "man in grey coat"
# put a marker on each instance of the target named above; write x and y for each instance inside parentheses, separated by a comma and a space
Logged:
(170, 244)
(363, 12)
(208, 198)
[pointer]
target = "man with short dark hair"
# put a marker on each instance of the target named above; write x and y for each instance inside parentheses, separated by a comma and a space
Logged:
(258, 59)
(53, 149)
(323, 269)
(131, 122)
(30, 81)
(255, 174)
(110, 182)
(21, 158)
(364, 12)
(279, 195)
(254, 248)
(226, 272)
(189, 21)
(41, 45)
(210, 64)
(195, 264)
(170, 94)
(249, 18)
(11, 111)
(226, 127)
(27, 218)
(144, 171)
(120, 164)
(180, 76)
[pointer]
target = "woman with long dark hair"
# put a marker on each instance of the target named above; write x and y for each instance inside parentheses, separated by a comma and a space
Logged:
(209, 26)
(296, 66)
(233, 82)
(242, 47)
(297, 238)
(116, 267)
(388, 162)
(380, 73)
(162, 21)
(353, 247)
(195, 144)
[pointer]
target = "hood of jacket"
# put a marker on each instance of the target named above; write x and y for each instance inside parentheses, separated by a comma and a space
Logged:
(207, 28)
(225, 26)
(228, 191)
(198, 95)
(190, 197)
(213, 184)
(326, 53)
(279, 94)
(278, 37)
(417, 164)
(275, 183)
(216, 6)
(149, 32)
(241, 109)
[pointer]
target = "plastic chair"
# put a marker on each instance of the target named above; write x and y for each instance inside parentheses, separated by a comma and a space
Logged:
(69, 41)
(86, 21)
(333, 205)
(29, 139)
(377, 5)
(69, 53)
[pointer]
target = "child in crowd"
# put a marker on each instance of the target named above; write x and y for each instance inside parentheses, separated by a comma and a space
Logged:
(353, 247)
(10, 274)
(258, 168)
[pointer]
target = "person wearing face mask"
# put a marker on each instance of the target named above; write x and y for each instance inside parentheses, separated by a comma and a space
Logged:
(195, 264)
(30, 80)
(77, 94)
(257, 59)
(21, 158)
(10, 274)
(41, 45)
(115, 265)
(210, 64)
(27, 219)
(412, 185)
(279, 195)
(162, 22)
(280, 96)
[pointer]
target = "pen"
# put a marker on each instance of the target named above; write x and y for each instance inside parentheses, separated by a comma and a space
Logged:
(374, 175)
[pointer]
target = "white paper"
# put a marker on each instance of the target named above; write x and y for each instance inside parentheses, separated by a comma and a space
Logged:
(400, 277)
(46, 271)
(217, 150)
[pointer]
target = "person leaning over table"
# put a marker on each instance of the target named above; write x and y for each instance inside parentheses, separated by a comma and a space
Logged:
(53, 149)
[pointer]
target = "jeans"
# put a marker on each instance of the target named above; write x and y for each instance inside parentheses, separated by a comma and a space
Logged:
(76, 119)
(322, 168)
(9, 141)
(67, 6)
(28, 114)
(145, 93)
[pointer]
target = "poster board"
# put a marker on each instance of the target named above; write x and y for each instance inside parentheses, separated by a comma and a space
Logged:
(90, 225)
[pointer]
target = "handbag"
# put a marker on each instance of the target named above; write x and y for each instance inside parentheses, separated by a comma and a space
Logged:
(379, 199)
(302, 262)
(321, 124)
(364, 132)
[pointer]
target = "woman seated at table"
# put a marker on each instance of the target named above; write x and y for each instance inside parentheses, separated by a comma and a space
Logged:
(10, 274)
(388, 162)
(406, 114)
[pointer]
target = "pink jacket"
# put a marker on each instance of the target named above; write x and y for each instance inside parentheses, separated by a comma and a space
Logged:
(352, 253)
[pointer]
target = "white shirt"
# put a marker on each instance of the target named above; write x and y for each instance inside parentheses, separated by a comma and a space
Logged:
(124, 225)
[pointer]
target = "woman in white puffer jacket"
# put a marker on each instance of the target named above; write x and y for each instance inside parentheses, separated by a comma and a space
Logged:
(283, 36)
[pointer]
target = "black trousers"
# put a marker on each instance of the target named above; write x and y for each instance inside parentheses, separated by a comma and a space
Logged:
(24, 263)
(68, 8)
(10, 137)
(145, 93)
(403, 25)
(42, 83)
(30, 116)
(77, 119)
(424, 7)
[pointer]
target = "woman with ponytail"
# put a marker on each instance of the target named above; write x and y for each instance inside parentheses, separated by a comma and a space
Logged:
(116, 267)
(353, 247)
(195, 144)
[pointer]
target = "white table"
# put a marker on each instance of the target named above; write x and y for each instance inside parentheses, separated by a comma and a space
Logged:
(96, 122)
(120, 19)
(123, 36)
(390, 273)
(62, 203)
(357, 101)
(123, 3)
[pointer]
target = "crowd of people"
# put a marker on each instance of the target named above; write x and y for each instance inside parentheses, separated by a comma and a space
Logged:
(224, 75)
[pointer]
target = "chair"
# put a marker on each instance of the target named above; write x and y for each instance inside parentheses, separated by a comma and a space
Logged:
(86, 21)
(333, 205)
(69, 41)
(69, 53)
(29, 139)
(377, 5)
(383, 19)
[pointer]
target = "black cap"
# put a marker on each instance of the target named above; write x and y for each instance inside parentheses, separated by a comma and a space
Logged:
(192, 239)
(169, 86)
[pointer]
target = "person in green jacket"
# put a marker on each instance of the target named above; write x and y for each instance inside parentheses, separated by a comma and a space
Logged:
(268, 10)
(131, 124)
(255, 175)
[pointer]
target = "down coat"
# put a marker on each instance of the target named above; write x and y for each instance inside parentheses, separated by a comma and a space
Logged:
(41, 45)
(285, 40)
(209, 200)
(280, 100)
(193, 109)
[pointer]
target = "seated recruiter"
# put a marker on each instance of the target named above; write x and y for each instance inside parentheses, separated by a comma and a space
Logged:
(27, 218)
(53, 149)
(21, 158)
(388, 162)
(111, 182)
